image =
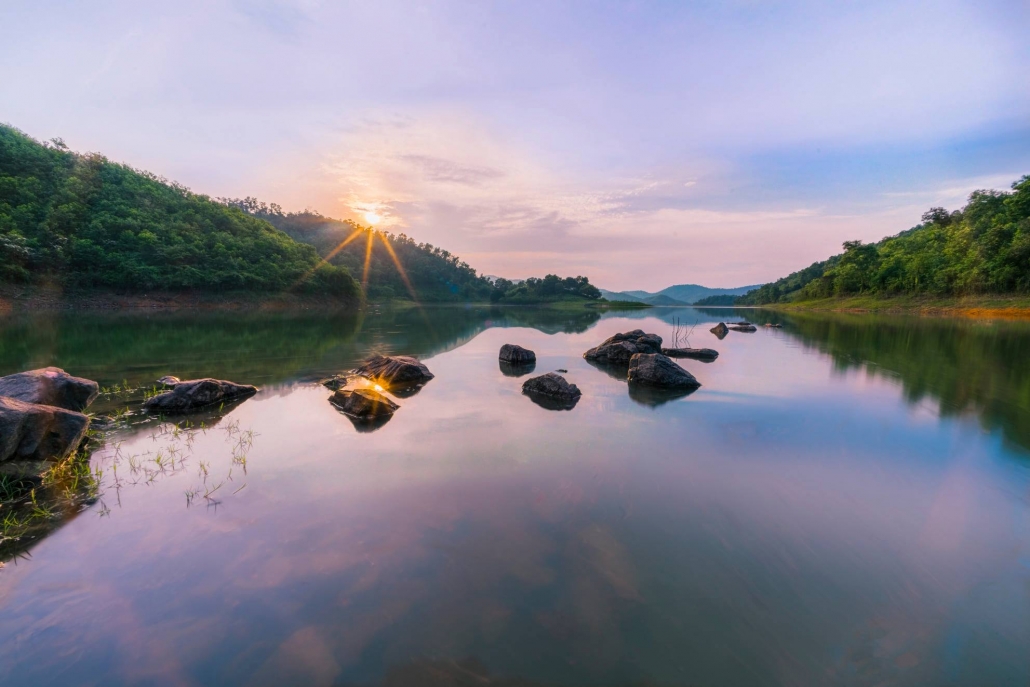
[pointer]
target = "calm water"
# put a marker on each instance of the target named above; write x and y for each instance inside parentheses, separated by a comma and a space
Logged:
(845, 501)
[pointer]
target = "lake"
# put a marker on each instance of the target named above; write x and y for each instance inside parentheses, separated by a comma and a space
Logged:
(845, 500)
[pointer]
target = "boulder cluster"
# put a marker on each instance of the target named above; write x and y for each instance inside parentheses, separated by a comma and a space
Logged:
(41, 414)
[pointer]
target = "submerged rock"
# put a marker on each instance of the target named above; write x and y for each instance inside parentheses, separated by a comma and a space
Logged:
(38, 432)
(198, 393)
(744, 328)
(168, 382)
(775, 326)
(363, 404)
(720, 330)
(50, 386)
(552, 391)
(704, 354)
(517, 355)
(621, 347)
(659, 371)
(395, 371)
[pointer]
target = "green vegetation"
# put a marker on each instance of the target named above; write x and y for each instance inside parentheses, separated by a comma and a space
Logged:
(720, 300)
(398, 267)
(82, 221)
(982, 249)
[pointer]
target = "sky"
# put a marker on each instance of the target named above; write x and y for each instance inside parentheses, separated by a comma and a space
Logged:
(641, 144)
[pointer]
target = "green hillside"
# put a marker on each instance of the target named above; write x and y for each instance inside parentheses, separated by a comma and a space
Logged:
(80, 220)
(984, 248)
(420, 271)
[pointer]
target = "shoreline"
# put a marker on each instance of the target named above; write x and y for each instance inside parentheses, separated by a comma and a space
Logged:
(974, 307)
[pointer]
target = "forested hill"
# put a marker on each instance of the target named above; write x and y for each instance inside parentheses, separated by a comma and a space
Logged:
(399, 267)
(984, 248)
(82, 221)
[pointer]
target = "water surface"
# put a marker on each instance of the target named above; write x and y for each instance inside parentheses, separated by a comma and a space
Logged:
(846, 500)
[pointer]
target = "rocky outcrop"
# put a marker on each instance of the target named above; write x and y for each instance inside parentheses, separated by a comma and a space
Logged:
(517, 355)
(620, 348)
(552, 391)
(703, 354)
(659, 371)
(720, 330)
(50, 386)
(364, 404)
(198, 393)
(37, 432)
(168, 382)
(395, 371)
(744, 328)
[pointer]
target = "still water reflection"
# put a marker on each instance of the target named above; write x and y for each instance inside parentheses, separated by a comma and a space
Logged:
(845, 500)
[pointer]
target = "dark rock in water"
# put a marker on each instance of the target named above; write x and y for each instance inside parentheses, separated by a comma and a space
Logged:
(744, 328)
(517, 355)
(621, 347)
(742, 323)
(720, 330)
(168, 382)
(616, 371)
(552, 391)
(775, 326)
(36, 432)
(363, 404)
(198, 393)
(335, 382)
(562, 370)
(657, 370)
(395, 371)
(514, 370)
(50, 386)
(703, 354)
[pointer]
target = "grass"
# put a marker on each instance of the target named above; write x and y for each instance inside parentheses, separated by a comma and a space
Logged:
(987, 306)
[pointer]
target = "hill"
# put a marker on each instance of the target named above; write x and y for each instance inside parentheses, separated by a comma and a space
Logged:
(681, 294)
(984, 248)
(395, 266)
(79, 220)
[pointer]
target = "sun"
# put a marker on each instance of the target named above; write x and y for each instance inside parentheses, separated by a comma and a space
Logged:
(372, 218)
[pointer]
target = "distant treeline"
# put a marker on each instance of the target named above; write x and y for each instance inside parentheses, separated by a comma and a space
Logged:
(433, 274)
(984, 248)
(81, 220)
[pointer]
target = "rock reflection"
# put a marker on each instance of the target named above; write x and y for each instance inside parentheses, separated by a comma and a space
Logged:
(652, 397)
(516, 370)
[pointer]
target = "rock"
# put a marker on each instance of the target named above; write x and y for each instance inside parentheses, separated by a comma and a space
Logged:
(552, 391)
(335, 382)
(50, 386)
(168, 382)
(198, 393)
(744, 328)
(363, 404)
(659, 371)
(621, 347)
(720, 330)
(775, 326)
(742, 323)
(705, 354)
(33, 431)
(395, 371)
(517, 355)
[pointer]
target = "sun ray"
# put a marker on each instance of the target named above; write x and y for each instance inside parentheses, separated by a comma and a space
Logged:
(329, 256)
(368, 262)
(400, 268)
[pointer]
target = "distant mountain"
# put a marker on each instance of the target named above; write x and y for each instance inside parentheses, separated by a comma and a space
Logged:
(681, 294)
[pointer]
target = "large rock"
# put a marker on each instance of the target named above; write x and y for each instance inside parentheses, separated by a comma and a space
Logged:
(363, 404)
(552, 391)
(659, 371)
(703, 354)
(50, 386)
(395, 371)
(620, 348)
(35, 432)
(720, 330)
(198, 393)
(517, 355)
(744, 328)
